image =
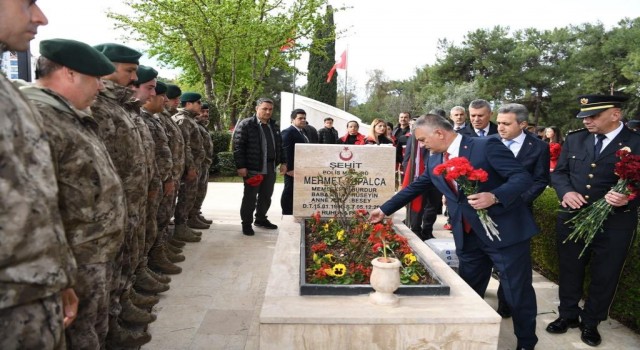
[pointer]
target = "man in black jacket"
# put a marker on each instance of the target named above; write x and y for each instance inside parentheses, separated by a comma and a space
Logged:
(257, 150)
(328, 134)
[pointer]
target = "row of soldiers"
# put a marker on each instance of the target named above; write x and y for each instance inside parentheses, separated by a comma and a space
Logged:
(96, 159)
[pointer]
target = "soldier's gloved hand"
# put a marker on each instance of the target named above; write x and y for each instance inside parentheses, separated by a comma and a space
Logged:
(69, 306)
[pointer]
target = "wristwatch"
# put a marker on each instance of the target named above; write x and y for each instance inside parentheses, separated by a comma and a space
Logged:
(495, 199)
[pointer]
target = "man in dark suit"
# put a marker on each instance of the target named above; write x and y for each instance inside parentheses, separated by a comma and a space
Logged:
(584, 174)
(501, 196)
(531, 152)
(295, 133)
(480, 124)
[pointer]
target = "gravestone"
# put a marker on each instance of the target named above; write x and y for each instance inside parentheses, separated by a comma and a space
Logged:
(318, 165)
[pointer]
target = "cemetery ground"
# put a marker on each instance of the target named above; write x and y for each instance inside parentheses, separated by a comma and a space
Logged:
(215, 302)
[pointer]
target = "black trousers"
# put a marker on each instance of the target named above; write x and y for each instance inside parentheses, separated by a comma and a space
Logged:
(258, 198)
(421, 223)
(607, 253)
(286, 201)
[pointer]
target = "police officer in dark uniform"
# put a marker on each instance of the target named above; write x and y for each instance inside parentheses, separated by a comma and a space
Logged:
(584, 174)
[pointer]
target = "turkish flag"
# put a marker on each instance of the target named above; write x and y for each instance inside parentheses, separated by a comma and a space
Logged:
(288, 45)
(341, 64)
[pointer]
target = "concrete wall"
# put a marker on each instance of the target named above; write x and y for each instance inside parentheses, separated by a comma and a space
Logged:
(316, 112)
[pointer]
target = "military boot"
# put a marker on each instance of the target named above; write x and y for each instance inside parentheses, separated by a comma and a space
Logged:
(173, 257)
(176, 243)
(146, 283)
(195, 223)
(133, 314)
(184, 234)
(173, 248)
(143, 301)
(159, 262)
(205, 220)
(194, 232)
(120, 336)
(159, 276)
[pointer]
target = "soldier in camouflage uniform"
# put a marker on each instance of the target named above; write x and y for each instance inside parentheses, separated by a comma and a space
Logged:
(92, 211)
(37, 266)
(154, 244)
(203, 181)
(176, 144)
(144, 88)
(118, 130)
(194, 155)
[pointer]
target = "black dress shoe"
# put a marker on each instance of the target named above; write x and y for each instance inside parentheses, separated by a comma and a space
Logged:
(265, 224)
(560, 325)
(247, 230)
(590, 335)
(503, 309)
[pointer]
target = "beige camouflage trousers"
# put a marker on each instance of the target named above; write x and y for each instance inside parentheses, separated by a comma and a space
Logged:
(203, 183)
(37, 325)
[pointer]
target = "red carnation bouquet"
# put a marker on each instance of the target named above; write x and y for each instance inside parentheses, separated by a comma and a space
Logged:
(461, 171)
(255, 180)
(589, 220)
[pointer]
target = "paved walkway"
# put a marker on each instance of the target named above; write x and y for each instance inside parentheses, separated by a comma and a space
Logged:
(215, 302)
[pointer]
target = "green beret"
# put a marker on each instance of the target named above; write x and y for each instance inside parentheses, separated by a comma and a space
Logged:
(190, 97)
(119, 53)
(205, 106)
(145, 74)
(77, 56)
(161, 88)
(173, 91)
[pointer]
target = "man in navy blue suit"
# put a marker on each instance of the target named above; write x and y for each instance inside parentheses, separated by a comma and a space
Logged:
(501, 196)
(480, 124)
(531, 152)
(290, 136)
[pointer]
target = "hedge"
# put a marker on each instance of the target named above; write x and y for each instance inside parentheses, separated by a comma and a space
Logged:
(626, 305)
(221, 146)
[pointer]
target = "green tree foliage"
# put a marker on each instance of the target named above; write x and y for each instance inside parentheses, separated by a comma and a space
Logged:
(229, 47)
(544, 70)
(321, 59)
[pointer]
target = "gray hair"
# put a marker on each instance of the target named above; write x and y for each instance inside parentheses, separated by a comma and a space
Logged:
(457, 108)
(479, 103)
(45, 67)
(433, 121)
(521, 112)
(262, 100)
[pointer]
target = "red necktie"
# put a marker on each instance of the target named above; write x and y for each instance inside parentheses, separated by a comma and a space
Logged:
(452, 186)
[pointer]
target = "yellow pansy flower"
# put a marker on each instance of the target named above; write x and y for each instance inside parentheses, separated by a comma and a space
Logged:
(340, 235)
(415, 277)
(409, 259)
(329, 258)
(339, 270)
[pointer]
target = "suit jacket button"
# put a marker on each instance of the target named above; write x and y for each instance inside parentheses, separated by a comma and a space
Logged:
(588, 186)
(593, 165)
(586, 197)
(591, 176)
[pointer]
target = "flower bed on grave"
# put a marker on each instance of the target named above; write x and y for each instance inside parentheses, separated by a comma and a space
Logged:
(337, 261)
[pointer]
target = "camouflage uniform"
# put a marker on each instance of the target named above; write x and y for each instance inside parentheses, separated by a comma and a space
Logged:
(92, 211)
(176, 144)
(121, 137)
(194, 156)
(36, 262)
(203, 177)
(164, 164)
(154, 185)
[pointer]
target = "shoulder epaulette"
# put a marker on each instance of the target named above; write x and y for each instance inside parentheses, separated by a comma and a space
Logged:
(575, 131)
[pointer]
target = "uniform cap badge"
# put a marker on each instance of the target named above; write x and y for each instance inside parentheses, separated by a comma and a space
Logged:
(584, 101)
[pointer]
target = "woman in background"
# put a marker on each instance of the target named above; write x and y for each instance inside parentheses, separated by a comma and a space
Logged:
(553, 136)
(378, 133)
(353, 137)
